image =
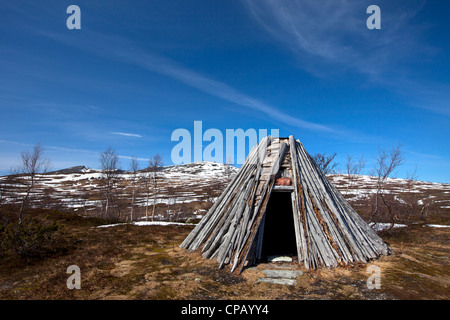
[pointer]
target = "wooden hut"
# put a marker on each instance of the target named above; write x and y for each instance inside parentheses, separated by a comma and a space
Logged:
(280, 202)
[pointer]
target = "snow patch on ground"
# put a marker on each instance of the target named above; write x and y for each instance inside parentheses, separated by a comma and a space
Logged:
(380, 226)
(436, 225)
(147, 223)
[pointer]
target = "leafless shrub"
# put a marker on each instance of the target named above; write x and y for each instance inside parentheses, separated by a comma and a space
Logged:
(32, 164)
(385, 165)
(354, 168)
(182, 212)
(325, 163)
(414, 204)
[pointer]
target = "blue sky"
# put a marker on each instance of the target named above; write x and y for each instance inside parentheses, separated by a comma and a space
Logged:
(138, 70)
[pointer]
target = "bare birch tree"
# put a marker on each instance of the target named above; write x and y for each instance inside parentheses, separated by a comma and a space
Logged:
(154, 166)
(385, 166)
(32, 164)
(134, 168)
(354, 168)
(109, 162)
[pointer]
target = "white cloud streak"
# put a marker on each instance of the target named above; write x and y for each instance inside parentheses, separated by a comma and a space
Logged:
(126, 134)
(121, 50)
(129, 158)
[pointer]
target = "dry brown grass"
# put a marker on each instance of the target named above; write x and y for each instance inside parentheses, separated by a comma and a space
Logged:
(145, 262)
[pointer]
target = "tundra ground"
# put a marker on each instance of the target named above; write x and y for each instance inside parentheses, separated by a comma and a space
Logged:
(145, 262)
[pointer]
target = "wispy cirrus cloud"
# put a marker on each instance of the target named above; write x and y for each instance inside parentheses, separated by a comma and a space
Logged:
(334, 31)
(122, 50)
(131, 157)
(330, 37)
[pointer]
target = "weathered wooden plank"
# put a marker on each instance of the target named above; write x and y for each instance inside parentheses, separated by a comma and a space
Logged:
(241, 256)
(353, 237)
(238, 233)
(298, 225)
(279, 159)
(204, 227)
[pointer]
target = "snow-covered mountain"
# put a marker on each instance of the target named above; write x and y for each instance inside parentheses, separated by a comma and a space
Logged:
(193, 186)
(358, 188)
(82, 187)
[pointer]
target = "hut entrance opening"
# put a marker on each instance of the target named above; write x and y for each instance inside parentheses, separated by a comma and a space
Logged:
(279, 231)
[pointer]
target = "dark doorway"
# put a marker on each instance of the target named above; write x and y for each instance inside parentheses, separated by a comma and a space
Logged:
(279, 231)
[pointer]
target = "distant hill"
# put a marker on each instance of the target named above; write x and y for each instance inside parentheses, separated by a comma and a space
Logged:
(189, 189)
(77, 169)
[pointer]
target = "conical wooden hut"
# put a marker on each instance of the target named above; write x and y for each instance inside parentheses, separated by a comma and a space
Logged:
(280, 202)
